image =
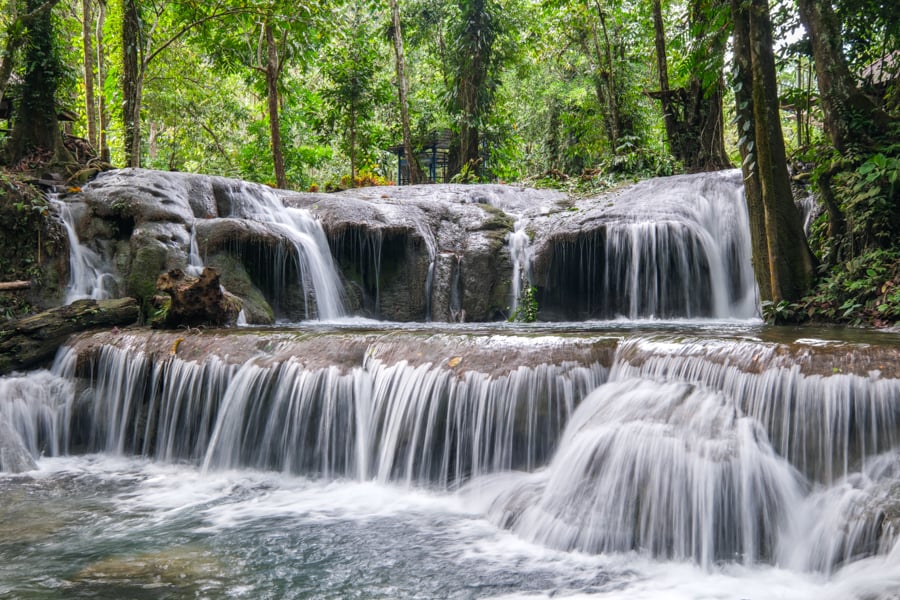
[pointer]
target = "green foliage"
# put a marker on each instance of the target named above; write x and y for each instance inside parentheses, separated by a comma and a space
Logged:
(863, 291)
(29, 239)
(468, 173)
(866, 187)
(527, 310)
(355, 84)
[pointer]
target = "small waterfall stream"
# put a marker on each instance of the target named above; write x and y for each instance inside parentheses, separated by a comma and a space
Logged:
(90, 274)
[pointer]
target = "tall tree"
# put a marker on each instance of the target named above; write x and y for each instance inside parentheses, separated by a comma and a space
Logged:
(474, 71)
(148, 30)
(693, 113)
(36, 124)
(354, 89)
(132, 80)
(783, 262)
(412, 165)
(17, 33)
(849, 115)
(90, 109)
(271, 68)
(102, 110)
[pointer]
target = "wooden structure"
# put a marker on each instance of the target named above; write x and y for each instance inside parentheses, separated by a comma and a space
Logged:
(433, 156)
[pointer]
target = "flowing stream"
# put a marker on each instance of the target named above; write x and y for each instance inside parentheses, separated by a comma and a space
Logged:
(628, 459)
(609, 463)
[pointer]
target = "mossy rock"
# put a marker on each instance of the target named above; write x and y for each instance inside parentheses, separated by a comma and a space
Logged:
(147, 262)
(237, 281)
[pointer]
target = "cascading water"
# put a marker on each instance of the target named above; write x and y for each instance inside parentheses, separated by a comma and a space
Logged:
(90, 274)
(311, 253)
(465, 461)
(676, 247)
(418, 424)
(521, 260)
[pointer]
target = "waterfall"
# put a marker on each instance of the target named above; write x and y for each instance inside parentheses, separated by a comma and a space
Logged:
(414, 424)
(310, 246)
(518, 252)
(666, 248)
(688, 448)
(685, 454)
(90, 274)
(38, 409)
(667, 468)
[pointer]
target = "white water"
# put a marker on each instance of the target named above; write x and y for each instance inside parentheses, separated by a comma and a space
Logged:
(101, 526)
(521, 261)
(90, 275)
(673, 247)
(311, 253)
(420, 425)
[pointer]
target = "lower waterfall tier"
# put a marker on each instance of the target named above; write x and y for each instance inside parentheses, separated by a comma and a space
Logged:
(705, 446)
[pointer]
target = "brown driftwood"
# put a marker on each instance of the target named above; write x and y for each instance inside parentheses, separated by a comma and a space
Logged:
(12, 286)
(186, 301)
(32, 340)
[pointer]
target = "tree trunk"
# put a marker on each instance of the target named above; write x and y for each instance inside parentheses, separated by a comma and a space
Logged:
(29, 341)
(13, 42)
(662, 67)
(36, 123)
(788, 266)
(604, 78)
(352, 147)
(102, 112)
(272, 94)
(412, 164)
(693, 115)
(131, 85)
(743, 98)
(87, 43)
(849, 116)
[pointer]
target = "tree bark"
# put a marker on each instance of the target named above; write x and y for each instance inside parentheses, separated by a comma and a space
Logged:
(662, 67)
(36, 124)
(849, 116)
(11, 286)
(412, 164)
(785, 266)
(102, 112)
(131, 81)
(272, 70)
(87, 44)
(743, 97)
(33, 340)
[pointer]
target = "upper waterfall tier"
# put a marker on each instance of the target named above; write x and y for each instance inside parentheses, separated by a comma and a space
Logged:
(675, 247)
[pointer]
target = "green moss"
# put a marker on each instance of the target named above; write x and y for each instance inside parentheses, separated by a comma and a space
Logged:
(497, 219)
(236, 280)
(148, 261)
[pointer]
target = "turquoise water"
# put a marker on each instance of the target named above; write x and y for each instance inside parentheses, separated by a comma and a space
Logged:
(101, 527)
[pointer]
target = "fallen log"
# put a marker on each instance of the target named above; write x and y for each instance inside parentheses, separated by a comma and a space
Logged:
(30, 341)
(11, 286)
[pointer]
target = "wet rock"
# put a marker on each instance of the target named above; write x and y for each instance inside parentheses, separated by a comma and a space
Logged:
(236, 279)
(186, 301)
